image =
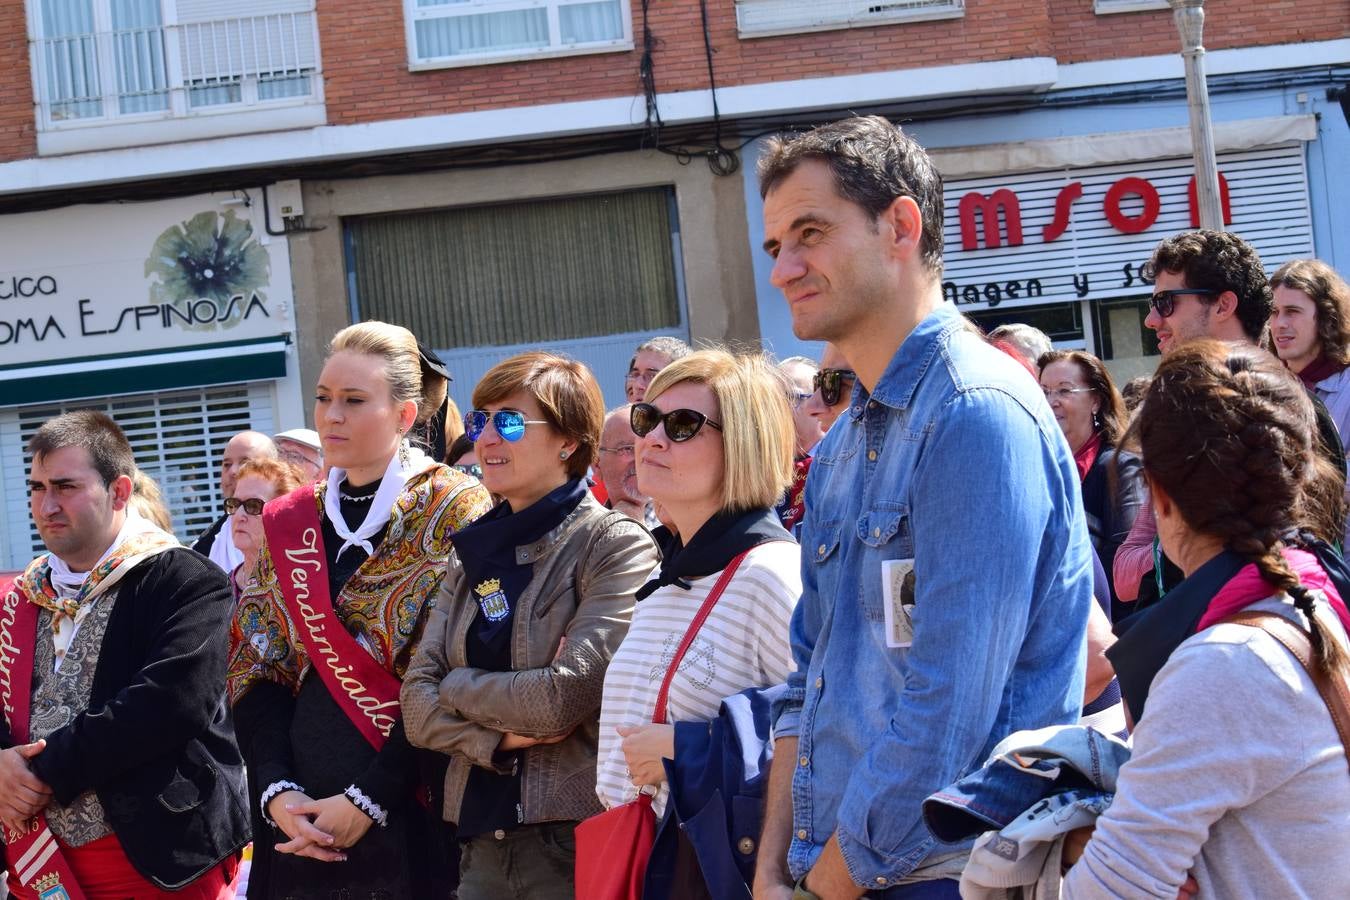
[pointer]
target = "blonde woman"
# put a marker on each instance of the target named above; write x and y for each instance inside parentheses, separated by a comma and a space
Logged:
(322, 639)
(714, 449)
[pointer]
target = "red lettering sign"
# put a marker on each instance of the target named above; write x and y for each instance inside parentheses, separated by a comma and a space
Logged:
(1124, 188)
(1063, 204)
(1223, 201)
(1002, 200)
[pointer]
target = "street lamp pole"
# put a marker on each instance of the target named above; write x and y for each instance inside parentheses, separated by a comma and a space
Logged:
(1190, 19)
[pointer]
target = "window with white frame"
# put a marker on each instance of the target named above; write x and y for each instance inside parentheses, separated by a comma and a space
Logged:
(1105, 7)
(761, 18)
(470, 32)
(100, 60)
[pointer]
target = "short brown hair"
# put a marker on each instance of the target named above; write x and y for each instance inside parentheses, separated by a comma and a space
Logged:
(757, 433)
(283, 476)
(873, 163)
(97, 433)
(1218, 261)
(1329, 294)
(565, 390)
(1113, 415)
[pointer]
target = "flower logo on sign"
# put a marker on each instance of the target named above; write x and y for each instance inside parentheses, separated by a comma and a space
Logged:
(209, 270)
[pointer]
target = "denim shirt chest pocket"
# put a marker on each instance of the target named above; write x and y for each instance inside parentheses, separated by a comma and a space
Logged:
(883, 531)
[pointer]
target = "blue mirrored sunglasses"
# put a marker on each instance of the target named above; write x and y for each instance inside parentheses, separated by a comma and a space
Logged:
(510, 423)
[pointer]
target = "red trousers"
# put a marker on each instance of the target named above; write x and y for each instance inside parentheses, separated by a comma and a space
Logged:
(105, 873)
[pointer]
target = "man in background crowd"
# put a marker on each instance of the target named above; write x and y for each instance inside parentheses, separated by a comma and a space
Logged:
(651, 357)
(217, 542)
(1028, 342)
(617, 466)
(301, 448)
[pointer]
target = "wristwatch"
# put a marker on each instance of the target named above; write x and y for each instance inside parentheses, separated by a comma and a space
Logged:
(801, 892)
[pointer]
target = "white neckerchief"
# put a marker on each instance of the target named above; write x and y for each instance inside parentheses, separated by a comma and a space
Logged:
(68, 584)
(223, 551)
(407, 462)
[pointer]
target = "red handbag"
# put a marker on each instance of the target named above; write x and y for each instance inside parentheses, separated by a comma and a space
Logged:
(613, 848)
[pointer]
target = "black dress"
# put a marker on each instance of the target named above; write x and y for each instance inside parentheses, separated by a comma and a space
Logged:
(311, 739)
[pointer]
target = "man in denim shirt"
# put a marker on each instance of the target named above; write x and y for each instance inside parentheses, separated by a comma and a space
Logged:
(948, 466)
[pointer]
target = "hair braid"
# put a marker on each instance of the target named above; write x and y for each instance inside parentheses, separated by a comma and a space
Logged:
(1228, 434)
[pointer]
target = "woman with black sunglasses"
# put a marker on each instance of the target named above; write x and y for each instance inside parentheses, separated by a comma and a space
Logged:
(508, 677)
(255, 482)
(714, 449)
(833, 388)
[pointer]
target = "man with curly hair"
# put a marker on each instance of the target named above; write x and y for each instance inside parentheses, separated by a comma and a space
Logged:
(1207, 284)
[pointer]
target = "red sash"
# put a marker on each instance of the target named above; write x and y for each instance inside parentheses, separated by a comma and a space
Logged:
(363, 689)
(34, 855)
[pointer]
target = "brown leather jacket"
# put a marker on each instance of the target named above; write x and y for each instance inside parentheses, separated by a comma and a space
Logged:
(585, 573)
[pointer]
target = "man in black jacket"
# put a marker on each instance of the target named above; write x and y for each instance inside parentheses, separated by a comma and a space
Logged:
(118, 747)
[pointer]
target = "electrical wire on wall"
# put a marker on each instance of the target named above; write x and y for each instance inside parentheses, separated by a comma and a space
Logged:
(722, 160)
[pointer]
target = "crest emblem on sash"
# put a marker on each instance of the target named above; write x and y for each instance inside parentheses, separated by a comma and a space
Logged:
(492, 600)
(49, 887)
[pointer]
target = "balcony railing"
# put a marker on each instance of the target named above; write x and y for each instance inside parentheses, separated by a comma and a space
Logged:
(177, 69)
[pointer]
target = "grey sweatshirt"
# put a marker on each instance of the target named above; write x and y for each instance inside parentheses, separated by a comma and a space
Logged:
(1238, 778)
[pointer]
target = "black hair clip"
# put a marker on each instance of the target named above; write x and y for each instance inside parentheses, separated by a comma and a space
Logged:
(433, 362)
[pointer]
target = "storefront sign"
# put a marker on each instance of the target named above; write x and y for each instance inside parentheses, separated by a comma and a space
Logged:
(1085, 234)
(115, 279)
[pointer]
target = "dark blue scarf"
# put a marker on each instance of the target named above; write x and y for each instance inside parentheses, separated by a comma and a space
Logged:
(721, 539)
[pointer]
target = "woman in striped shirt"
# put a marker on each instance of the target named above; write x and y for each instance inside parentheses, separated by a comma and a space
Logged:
(714, 449)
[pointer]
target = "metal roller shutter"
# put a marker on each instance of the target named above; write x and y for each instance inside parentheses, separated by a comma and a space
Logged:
(177, 436)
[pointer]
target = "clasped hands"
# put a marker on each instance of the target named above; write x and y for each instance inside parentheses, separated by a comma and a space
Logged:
(318, 829)
(22, 794)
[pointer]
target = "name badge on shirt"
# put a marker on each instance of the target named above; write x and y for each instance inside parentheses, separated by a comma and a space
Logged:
(897, 591)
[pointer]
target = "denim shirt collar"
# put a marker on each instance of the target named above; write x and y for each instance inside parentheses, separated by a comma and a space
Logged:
(906, 369)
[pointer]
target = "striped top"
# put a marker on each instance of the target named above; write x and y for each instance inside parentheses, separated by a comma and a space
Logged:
(744, 643)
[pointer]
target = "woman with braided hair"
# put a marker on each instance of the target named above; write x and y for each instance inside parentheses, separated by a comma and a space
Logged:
(1239, 775)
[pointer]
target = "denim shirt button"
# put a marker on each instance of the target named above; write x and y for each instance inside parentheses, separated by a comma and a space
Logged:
(881, 879)
(801, 835)
(819, 682)
(820, 551)
(804, 762)
(872, 456)
(876, 532)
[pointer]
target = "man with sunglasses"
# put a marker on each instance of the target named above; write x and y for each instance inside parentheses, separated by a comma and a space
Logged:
(947, 471)
(1206, 284)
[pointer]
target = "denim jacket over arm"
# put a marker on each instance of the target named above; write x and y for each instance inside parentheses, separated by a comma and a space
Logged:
(954, 461)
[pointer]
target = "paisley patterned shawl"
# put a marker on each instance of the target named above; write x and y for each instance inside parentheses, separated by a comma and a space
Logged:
(384, 604)
(35, 584)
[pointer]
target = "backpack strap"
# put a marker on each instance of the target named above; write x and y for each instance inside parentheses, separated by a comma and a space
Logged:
(1335, 690)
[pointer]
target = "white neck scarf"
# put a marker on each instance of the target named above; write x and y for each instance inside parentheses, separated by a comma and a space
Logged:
(68, 583)
(407, 462)
(223, 551)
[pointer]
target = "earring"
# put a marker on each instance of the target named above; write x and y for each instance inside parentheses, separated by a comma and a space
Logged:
(564, 455)
(1096, 420)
